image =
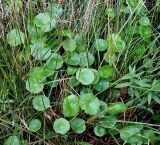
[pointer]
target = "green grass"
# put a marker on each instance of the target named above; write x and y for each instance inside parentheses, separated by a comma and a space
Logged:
(134, 82)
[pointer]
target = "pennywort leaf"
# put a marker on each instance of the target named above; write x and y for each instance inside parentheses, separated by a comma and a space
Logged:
(110, 13)
(86, 59)
(89, 103)
(41, 103)
(69, 45)
(78, 125)
(33, 86)
(106, 72)
(55, 9)
(85, 76)
(71, 106)
(99, 131)
(45, 22)
(145, 32)
(101, 44)
(101, 85)
(144, 21)
(12, 140)
(61, 126)
(73, 59)
(15, 37)
(34, 125)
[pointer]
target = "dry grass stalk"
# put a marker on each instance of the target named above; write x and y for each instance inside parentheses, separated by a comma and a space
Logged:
(88, 15)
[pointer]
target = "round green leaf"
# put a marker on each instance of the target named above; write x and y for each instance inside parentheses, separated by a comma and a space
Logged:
(106, 72)
(61, 126)
(33, 86)
(85, 76)
(100, 45)
(145, 32)
(116, 108)
(38, 74)
(115, 43)
(132, 3)
(108, 121)
(110, 13)
(99, 131)
(73, 59)
(15, 37)
(71, 106)
(86, 59)
(41, 103)
(144, 21)
(69, 45)
(34, 125)
(131, 134)
(36, 78)
(42, 19)
(89, 103)
(101, 85)
(55, 9)
(12, 140)
(53, 63)
(45, 22)
(78, 125)
(40, 51)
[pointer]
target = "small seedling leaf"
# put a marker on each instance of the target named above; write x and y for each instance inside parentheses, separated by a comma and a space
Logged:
(34, 125)
(99, 131)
